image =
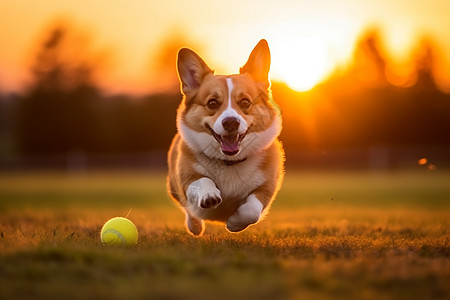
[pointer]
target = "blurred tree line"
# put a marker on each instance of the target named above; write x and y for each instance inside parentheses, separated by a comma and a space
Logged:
(64, 111)
(360, 107)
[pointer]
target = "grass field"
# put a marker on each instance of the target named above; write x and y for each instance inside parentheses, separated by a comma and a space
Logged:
(346, 235)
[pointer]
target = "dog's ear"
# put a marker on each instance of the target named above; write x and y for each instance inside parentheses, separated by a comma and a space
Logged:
(191, 70)
(258, 64)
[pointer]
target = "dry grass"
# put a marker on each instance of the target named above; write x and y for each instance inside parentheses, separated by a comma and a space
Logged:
(328, 236)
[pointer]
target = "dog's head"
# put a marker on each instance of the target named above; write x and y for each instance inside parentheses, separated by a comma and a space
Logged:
(227, 117)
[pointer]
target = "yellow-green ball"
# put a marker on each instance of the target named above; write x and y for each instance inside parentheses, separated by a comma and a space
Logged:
(119, 231)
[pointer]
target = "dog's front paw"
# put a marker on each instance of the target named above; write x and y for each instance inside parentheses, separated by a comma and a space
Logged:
(204, 194)
(247, 214)
(210, 200)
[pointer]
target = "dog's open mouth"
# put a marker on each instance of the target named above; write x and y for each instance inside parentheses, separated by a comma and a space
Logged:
(229, 144)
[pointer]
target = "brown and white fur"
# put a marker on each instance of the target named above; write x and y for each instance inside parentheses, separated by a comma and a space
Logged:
(225, 163)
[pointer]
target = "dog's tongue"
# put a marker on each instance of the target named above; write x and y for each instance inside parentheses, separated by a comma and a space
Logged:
(230, 144)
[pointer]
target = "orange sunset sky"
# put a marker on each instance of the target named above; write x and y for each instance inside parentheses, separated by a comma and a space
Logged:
(308, 39)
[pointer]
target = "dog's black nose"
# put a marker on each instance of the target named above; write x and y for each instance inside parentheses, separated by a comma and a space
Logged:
(230, 124)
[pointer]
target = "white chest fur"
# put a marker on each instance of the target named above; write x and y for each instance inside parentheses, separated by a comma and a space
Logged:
(236, 181)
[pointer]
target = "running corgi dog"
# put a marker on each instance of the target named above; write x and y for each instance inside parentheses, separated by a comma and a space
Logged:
(226, 163)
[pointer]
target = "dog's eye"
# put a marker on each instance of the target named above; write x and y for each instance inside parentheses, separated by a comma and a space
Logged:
(245, 103)
(213, 104)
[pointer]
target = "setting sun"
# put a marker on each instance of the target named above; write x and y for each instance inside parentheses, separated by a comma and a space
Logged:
(301, 63)
(308, 40)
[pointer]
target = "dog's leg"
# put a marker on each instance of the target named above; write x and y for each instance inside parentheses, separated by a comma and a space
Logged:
(203, 194)
(194, 225)
(246, 214)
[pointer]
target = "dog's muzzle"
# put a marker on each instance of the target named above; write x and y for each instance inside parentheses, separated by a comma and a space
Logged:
(230, 143)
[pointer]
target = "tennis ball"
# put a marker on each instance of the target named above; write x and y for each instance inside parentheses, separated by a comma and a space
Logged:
(119, 231)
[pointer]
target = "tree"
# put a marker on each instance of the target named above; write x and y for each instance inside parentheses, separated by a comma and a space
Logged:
(369, 62)
(56, 115)
(425, 59)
